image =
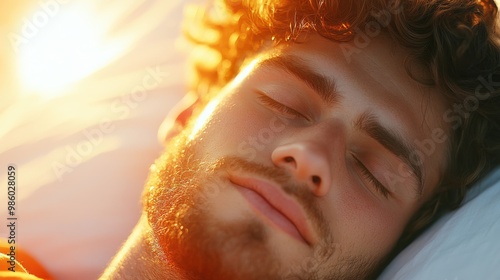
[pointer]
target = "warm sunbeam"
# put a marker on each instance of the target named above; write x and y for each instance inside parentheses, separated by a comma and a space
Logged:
(60, 48)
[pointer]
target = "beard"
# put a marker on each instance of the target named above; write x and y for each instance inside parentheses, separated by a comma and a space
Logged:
(178, 200)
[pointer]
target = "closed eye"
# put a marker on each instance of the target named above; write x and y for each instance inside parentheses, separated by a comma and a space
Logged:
(281, 108)
(371, 179)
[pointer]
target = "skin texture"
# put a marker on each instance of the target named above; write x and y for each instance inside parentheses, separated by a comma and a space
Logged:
(204, 220)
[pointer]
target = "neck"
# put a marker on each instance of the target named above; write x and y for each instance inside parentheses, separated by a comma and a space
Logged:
(137, 259)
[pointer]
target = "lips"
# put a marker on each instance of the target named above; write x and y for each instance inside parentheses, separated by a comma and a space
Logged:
(270, 200)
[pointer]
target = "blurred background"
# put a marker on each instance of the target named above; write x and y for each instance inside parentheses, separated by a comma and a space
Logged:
(84, 86)
(57, 47)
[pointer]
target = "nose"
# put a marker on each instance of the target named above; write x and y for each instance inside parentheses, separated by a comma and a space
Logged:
(307, 162)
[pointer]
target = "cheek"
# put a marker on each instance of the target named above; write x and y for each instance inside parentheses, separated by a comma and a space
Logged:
(362, 224)
(234, 127)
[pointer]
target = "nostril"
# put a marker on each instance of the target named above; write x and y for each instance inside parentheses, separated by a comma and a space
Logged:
(316, 180)
(288, 159)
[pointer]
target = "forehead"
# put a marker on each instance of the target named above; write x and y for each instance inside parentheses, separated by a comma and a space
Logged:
(375, 79)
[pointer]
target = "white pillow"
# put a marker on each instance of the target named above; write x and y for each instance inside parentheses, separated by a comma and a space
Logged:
(464, 244)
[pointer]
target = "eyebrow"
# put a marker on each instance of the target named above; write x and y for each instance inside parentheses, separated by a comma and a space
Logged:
(393, 142)
(322, 85)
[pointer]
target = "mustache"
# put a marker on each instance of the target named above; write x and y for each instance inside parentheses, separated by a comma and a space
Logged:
(282, 177)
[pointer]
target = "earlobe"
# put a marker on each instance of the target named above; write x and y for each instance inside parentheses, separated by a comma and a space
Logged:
(178, 117)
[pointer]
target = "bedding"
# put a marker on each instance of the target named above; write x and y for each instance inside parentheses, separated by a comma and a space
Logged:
(464, 244)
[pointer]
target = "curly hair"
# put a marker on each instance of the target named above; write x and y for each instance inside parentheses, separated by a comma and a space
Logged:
(455, 39)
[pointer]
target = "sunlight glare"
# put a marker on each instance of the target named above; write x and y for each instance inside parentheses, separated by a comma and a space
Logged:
(203, 119)
(70, 47)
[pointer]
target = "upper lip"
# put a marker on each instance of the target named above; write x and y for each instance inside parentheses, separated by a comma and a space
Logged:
(282, 202)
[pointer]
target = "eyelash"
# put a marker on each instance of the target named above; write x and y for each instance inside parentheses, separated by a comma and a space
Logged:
(278, 106)
(369, 176)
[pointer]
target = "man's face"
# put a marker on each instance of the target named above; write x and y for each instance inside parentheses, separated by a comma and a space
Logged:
(307, 165)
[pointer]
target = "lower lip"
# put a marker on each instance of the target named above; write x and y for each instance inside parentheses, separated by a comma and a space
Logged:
(263, 207)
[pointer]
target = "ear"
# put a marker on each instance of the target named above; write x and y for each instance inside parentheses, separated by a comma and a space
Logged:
(178, 117)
